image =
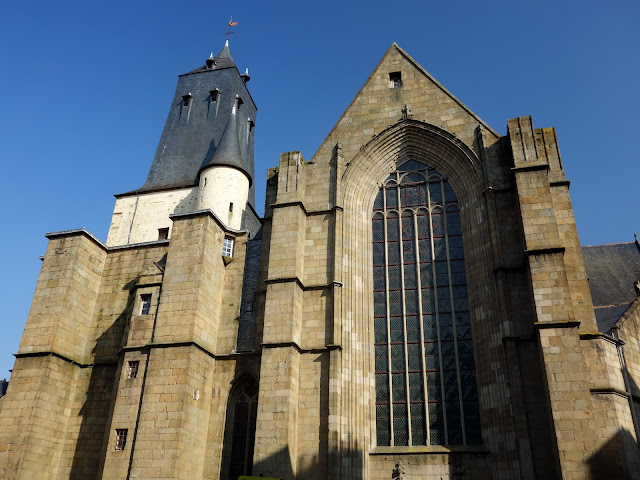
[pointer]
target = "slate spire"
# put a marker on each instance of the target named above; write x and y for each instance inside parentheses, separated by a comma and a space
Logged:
(211, 110)
(224, 58)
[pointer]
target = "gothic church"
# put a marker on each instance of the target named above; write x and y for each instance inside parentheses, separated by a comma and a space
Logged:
(414, 304)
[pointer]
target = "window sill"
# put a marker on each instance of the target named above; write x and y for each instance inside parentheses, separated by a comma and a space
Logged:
(433, 449)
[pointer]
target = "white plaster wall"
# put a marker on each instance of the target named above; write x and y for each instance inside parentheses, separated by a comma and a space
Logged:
(137, 218)
(220, 186)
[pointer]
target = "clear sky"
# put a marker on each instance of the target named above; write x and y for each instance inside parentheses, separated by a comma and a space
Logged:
(88, 86)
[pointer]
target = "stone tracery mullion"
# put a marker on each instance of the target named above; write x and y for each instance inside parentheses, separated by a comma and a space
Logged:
(435, 302)
(404, 314)
(404, 193)
(386, 273)
(425, 394)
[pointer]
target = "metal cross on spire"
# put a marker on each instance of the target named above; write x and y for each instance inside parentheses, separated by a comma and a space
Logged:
(231, 24)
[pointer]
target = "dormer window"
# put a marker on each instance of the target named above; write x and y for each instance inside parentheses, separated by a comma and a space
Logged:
(186, 98)
(214, 94)
(251, 124)
(240, 102)
(395, 79)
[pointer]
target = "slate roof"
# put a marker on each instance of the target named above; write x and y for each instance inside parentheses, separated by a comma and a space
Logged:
(228, 150)
(612, 270)
(198, 125)
(221, 61)
(606, 317)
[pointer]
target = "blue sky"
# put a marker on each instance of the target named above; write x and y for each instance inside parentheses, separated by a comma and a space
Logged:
(88, 86)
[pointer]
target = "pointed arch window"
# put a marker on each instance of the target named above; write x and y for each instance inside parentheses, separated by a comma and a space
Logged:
(425, 378)
(240, 432)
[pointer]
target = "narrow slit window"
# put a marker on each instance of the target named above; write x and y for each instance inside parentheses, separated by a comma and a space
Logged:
(395, 79)
(132, 369)
(230, 207)
(214, 95)
(163, 233)
(121, 438)
(240, 103)
(227, 247)
(186, 99)
(145, 303)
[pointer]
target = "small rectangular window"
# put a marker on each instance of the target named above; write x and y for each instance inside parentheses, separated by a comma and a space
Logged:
(132, 369)
(145, 302)
(395, 79)
(185, 99)
(214, 95)
(163, 233)
(230, 206)
(121, 438)
(227, 247)
(248, 306)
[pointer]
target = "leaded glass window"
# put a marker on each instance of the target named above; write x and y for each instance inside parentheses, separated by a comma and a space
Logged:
(425, 379)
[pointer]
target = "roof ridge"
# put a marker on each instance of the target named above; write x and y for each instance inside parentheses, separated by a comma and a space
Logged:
(609, 244)
(614, 305)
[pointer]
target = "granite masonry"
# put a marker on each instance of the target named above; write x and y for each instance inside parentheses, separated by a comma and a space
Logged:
(414, 303)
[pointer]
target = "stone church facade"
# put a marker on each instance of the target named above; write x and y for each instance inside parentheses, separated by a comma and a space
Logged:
(413, 304)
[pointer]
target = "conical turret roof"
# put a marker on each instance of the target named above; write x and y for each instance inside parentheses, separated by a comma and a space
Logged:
(222, 60)
(228, 151)
(225, 54)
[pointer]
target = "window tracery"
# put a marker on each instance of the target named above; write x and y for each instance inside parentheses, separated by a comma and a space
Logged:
(422, 333)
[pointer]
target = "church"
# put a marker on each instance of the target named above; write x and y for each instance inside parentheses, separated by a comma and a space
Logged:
(414, 304)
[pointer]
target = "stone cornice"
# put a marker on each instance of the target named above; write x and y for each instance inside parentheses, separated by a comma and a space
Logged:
(210, 213)
(557, 324)
(530, 168)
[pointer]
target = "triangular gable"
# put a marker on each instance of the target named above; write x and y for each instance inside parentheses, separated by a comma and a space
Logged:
(154, 268)
(378, 105)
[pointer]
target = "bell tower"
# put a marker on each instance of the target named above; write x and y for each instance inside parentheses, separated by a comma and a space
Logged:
(204, 159)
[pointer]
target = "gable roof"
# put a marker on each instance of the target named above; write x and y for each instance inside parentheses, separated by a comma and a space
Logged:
(439, 85)
(376, 104)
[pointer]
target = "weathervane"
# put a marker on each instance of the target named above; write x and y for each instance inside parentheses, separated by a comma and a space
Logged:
(231, 24)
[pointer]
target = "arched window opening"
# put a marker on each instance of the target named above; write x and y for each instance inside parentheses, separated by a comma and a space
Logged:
(425, 379)
(240, 431)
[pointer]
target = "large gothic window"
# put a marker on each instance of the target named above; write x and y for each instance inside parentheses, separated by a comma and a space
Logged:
(424, 367)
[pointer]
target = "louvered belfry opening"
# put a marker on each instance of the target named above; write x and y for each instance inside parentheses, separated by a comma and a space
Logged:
(426, 390)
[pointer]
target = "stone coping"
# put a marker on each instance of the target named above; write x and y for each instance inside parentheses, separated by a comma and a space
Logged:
(204, 212)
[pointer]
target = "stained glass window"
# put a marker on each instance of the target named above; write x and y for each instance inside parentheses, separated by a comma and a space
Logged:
(425, 378)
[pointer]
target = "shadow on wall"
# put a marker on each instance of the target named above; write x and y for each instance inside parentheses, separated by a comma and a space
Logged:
(619, 457)
(348, 465)
(104, 377)
(610, 461)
